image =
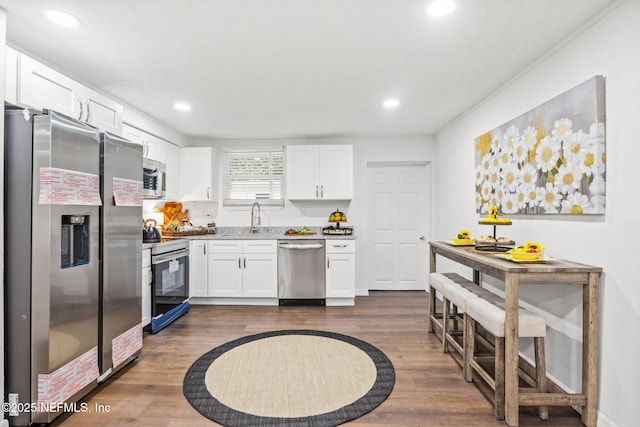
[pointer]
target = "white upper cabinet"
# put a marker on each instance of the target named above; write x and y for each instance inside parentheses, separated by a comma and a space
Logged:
(199, 173)
(39, 86)
(11, 75)
(150, 144)
(102, 112)
(169, 155)
(319, 172)
(32, 84)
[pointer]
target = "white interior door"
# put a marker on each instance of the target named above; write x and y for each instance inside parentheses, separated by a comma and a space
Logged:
(398, 225)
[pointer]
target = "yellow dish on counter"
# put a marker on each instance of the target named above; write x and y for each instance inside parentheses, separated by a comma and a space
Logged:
(463, 241)
(525, 256)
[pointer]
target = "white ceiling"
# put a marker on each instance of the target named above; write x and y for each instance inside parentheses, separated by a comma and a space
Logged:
(297, 68)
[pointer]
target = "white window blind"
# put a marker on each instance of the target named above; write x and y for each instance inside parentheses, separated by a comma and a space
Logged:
(251, 176)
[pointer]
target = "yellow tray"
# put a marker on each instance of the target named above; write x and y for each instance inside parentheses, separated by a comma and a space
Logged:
(544, 258)
(470, 242)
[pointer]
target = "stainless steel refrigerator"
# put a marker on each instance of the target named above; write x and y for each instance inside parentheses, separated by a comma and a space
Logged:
(73, 239)
(120, 253)
(52, 198)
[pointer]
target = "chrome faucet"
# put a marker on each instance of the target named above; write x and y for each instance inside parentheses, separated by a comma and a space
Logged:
(255, 220)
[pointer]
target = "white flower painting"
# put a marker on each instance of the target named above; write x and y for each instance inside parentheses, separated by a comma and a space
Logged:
(549, 160)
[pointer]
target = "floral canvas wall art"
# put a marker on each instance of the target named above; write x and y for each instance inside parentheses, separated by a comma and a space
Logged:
(549, 160)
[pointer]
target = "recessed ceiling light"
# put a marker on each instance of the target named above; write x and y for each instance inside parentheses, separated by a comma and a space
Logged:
(181, 106)
(390, 104)
(62, 18)
(440, 7)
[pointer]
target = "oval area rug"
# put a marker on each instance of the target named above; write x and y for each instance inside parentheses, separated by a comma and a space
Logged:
(289, 378)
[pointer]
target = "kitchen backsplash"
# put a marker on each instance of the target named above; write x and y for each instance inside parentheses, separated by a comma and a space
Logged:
(310, 213)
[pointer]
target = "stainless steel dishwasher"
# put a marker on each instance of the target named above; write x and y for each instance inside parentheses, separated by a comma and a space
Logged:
(301, 272)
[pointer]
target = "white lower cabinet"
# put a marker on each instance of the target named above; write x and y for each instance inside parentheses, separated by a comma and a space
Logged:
(146, 287)
(198, 270)
(246, 272)
(242, 268)
(341, 269)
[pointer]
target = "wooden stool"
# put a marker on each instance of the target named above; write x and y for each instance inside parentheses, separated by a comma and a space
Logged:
(492, 318)
(454, 297)
(436, 283)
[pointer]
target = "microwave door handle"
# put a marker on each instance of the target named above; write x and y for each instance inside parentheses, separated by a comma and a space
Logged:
(161, 184)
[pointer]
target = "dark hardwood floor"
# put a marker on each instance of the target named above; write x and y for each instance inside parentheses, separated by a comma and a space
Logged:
(429, 389)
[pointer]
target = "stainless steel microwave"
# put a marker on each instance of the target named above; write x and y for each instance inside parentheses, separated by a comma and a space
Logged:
(153, 179)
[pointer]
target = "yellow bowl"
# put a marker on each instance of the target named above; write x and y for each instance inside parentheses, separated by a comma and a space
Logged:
(463, 241)
(526, 256)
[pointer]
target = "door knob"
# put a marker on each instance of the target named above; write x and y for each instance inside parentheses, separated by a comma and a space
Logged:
(422, 238)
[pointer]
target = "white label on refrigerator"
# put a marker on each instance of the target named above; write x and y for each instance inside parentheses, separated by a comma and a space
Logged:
(14, 400)
(127, 192)
(67, 187)
(174, 266)
(67, 380)
(126, 344)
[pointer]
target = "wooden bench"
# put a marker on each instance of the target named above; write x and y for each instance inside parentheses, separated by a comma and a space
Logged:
(454, 289)
(484, 308)
(492, 318)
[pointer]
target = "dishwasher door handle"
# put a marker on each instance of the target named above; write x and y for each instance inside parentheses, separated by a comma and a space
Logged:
(296, 246)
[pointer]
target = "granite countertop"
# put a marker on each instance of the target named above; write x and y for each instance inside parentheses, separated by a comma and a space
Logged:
(265, 233)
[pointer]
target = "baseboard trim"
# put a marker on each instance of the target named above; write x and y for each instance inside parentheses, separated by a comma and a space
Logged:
(604, 421)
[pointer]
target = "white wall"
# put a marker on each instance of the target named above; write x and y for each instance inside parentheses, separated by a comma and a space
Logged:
(316, 213)
(610, 48)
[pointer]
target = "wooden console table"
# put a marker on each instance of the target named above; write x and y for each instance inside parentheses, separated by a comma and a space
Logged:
(557, 272)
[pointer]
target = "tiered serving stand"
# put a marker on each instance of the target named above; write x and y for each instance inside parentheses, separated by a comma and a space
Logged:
(494, 246)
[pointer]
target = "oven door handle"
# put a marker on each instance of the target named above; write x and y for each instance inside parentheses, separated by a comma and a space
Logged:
(158, 259)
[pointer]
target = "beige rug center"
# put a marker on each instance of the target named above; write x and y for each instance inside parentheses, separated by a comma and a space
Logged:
(291, 376)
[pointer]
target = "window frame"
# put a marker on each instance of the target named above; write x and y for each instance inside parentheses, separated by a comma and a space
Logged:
(273, 153)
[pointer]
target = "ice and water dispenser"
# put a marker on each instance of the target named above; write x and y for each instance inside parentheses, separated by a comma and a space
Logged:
(75, 240)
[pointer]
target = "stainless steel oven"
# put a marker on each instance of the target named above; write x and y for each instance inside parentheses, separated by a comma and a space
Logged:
(170, 282)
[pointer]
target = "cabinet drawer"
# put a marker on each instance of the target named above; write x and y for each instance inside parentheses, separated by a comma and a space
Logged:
(260, 246)
(340, 246)
(225, 247)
